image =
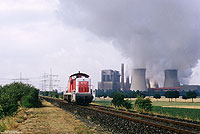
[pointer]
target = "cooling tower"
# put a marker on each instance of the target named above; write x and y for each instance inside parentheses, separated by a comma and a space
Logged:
(171, 79)
(139, 80)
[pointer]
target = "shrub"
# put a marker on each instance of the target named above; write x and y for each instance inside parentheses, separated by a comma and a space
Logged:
(1, 112)
(118, 99)
(31, 100)
(143, 105)
(12, 94)
(127, 104)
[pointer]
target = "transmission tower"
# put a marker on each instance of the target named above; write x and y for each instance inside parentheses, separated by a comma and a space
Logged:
(21, 79)
(50, 81)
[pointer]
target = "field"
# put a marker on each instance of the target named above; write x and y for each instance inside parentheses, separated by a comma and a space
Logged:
(182, 113)
(179, 109)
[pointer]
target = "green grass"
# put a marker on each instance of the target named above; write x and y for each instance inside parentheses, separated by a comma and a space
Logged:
(103, 102)
(183, 113)
(165, 103)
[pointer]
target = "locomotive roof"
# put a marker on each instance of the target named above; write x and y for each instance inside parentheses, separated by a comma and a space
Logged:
(82, 74)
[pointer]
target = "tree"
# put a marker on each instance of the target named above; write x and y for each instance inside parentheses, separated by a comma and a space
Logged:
(175, 94)
(140, 94)
(127, 104)
(169, 95)
(184, 97)
(143, 105)
(118, 99)
(104, 96)
(157, 96)
(172, 94)
(191, 95)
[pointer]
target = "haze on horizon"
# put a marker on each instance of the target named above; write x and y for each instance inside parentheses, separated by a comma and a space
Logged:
(75, 36)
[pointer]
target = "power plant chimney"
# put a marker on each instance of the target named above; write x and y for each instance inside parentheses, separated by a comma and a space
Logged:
(127, 83)
(139, 80)
(122, 77)
(171, 79)
(148, 83)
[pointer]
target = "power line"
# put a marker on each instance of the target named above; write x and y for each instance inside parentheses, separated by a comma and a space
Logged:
(50, 81)
(21, 79)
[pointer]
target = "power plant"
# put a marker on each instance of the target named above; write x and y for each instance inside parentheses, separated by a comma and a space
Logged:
(139, 80)
(171, 78)
(114, 80)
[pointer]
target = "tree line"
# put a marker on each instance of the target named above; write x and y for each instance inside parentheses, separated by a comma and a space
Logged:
(54, 94)
(134, 94)
(175, 94)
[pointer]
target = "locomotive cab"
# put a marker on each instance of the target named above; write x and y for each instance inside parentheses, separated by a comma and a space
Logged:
(79, 89)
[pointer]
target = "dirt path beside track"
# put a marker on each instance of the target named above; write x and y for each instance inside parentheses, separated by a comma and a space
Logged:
(50, 120)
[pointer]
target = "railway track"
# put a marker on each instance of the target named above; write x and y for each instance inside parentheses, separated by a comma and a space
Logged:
(163, 123)
(129, 119)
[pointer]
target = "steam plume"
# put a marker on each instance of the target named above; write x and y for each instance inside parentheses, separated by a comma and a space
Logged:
(156, 34)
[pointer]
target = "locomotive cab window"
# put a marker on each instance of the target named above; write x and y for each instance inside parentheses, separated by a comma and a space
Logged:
(73, 77)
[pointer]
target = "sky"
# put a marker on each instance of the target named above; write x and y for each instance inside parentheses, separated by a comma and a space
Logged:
(39, 35)
(33, 40)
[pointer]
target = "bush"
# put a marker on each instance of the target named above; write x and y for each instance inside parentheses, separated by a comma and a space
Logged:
(29, 102)
(143, 105)
(118, 99)
(12, 94)
(127, 104)
(1, 112)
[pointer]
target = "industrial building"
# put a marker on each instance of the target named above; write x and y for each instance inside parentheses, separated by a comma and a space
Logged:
(110, 80)
(113, 80)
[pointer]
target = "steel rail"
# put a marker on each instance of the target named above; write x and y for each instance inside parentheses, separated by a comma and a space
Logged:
(197, 126)
(118, 113)
(182, 131)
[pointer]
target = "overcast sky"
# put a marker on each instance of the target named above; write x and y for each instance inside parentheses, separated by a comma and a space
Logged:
(34, 38)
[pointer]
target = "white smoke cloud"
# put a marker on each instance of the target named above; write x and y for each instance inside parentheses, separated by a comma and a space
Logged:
(156, 34)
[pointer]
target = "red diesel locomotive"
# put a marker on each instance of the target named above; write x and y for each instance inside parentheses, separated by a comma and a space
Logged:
(79, 89)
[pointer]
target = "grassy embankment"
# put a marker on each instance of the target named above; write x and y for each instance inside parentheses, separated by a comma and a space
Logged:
(47, 119)
(182, 110)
